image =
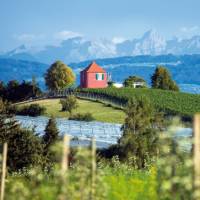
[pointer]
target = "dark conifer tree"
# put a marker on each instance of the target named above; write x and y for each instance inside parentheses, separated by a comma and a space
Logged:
(140, 138)
(50, 137)
(51, 133)
(24, 147)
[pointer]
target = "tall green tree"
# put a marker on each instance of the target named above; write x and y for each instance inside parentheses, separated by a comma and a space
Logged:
(132, 79)
(59, 76)
(161, 79)
(35, 87)
(51, 134)
(140, 138)
(24, 147)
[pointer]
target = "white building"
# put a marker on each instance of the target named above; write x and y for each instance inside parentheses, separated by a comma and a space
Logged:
(118, 85)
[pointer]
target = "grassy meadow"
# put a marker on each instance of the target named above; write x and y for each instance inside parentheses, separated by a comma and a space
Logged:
(100, 112)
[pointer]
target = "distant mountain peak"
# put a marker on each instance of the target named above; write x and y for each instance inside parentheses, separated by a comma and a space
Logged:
(21, 49)
(79, 48)
(151, 34)
(151, 43)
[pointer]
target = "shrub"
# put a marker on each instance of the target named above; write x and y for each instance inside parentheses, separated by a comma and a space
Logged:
(11, 108)
(24, 147)
(27, 150)
(82, 117)
(129, 82)
(32, 110)
(76, 184)
(69, 104)
(175, 165)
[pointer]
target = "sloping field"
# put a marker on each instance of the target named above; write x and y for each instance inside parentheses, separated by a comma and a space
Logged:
(100, 112)
(168, 101)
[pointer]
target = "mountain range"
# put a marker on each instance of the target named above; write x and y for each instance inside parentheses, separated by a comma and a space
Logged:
(120, 58)
(78, 49)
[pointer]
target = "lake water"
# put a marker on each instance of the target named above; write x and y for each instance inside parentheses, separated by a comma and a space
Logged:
(106, 134)
(190, 88)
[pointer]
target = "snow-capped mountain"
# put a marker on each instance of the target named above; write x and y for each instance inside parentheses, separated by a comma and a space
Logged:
(78, 49)
(150, 44)
(18, 50)
(184, 46)
(21, 53)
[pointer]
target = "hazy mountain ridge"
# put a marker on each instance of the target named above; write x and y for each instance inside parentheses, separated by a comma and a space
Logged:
(12, 69)
(184, 69)
(78, 49)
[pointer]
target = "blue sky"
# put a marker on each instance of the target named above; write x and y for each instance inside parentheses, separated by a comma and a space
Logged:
(41, 22)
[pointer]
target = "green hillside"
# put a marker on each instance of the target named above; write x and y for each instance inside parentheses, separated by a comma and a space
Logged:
(99, 111)
(168, 101)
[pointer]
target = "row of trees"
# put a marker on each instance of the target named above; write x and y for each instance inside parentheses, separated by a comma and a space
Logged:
(161, 79)
(60, 76)
(57, 77)
(15, 91)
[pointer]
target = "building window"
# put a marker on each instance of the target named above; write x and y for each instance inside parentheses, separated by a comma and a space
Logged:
(99, 77)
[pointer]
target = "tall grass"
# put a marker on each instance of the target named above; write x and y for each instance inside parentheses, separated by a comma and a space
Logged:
(114, 181)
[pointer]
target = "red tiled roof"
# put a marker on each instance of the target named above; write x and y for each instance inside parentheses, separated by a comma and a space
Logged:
(93, 67)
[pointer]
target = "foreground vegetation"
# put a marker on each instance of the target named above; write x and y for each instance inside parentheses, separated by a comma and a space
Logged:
(144, 164)
(99, 111)
(117, 182)
(170, 102)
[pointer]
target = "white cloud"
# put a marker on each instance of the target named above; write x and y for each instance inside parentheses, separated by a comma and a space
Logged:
(191, 29)
(25, 37)
(118, 40)
(41, 40)
(64, 35)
